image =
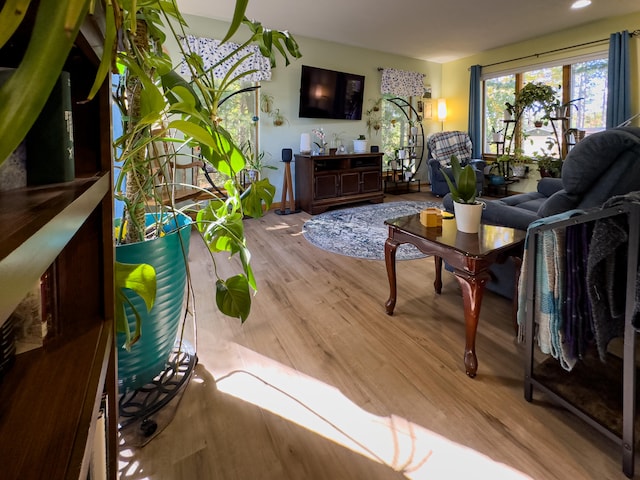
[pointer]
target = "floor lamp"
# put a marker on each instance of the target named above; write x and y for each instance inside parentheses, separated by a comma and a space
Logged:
(442, 111)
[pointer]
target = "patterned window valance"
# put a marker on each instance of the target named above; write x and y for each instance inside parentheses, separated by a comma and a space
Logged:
(212, 51)
(402, 83)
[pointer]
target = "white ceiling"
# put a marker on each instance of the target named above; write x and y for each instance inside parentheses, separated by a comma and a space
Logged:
(435, 30)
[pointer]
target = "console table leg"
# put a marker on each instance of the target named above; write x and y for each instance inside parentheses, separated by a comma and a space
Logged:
(472, 290)
(437, 284)
(390, 247)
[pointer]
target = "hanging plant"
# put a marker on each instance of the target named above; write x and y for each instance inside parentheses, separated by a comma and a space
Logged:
(266, 103)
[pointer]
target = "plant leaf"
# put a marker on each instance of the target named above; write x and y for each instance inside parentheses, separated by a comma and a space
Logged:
(11, 17)
(233, 297)
(238, 16)
(25, 93)
(140, 278)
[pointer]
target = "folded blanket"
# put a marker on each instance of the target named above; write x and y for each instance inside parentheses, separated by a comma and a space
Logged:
(550, 290)
(607, 275)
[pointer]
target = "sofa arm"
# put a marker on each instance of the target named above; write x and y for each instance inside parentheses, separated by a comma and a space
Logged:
(548, 186)
(478, 164)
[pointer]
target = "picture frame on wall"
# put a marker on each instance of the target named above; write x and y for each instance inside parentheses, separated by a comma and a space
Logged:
(428, 110)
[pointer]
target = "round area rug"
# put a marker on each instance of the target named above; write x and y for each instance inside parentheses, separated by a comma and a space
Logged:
(360, 231)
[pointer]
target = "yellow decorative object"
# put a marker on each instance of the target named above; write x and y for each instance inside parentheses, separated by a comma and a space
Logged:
(431, 217)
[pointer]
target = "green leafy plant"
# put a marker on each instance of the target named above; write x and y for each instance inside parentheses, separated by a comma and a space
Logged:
(463, 186)
(141, 279)
(537, 97)
(159, 108)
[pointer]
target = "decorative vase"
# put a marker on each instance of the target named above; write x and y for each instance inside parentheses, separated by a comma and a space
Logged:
(360, 146)
(519, 171)
(468, 216)
(148, 356)
(305, 143)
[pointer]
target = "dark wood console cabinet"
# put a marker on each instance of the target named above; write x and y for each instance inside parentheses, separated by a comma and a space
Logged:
(323, 181)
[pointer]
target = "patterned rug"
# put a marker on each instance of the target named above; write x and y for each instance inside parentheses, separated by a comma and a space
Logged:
(360, 231)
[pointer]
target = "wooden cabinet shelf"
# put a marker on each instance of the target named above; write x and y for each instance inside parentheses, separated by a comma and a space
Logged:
(51, 396)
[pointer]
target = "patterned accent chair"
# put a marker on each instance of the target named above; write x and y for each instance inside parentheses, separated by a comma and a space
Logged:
(441, 146)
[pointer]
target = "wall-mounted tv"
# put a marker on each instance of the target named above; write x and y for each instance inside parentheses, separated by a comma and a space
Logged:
(330, 94)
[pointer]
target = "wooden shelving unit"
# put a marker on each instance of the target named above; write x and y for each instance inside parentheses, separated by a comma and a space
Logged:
(51, 397)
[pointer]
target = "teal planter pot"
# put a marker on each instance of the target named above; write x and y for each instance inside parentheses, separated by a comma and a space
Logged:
(149, 355)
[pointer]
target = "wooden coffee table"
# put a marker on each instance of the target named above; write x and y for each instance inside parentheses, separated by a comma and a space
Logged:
(470, 256)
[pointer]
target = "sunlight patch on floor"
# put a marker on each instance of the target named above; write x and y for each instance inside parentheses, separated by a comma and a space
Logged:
(323, 409)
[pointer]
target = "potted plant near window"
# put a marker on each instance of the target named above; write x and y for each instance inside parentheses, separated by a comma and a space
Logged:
(360, 144)
(162, 109)
(256, 162)
(467, 209)
(194, 121)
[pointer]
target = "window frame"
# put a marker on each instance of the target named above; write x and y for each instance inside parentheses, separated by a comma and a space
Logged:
(518, 73)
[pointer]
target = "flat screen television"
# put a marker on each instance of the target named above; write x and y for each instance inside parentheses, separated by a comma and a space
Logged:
(330, 94)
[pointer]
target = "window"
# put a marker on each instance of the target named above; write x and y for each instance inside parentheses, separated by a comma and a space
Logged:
(238, 115)
(396, 128)
(583, 83)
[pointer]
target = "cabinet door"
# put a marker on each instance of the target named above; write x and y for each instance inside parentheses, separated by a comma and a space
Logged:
(371, 181)
(350, 183)
(325, 186)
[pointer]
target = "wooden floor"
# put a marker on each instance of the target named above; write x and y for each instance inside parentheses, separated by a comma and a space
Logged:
(320, 383)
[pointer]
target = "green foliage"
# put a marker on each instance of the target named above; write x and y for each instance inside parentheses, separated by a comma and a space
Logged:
(142, 280)
(162, 114)
(463, 186)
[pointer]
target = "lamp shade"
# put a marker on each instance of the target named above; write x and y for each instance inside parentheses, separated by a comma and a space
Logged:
(442, 109)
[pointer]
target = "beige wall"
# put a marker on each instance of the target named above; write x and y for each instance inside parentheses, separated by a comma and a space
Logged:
(455, 75)
(450, 80)
(285, 86)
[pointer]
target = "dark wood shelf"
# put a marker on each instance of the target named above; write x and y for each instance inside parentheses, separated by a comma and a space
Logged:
(41, 220)
(50, 395)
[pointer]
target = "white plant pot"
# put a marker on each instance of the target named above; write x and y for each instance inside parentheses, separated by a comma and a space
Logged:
(468, 216)
(360, 146)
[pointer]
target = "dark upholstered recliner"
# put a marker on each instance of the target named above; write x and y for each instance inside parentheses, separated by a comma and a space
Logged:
(599, 167)
(441, 146)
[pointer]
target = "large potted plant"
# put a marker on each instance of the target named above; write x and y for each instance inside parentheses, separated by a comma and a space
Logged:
(159, 107)
(467, 209)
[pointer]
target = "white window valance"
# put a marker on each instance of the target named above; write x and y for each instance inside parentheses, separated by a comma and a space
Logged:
(402, 83)
(212, 51)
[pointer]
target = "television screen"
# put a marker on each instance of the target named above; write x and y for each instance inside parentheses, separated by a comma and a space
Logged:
(330, 94)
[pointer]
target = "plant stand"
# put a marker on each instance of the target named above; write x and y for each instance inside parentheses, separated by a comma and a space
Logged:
(141, 413)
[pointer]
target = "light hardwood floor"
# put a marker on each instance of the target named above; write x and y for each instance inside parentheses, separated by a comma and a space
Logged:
(320, 383)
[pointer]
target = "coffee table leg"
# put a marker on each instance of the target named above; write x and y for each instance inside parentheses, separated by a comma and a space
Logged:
(390, 248)
(437, 284)
(472, 290)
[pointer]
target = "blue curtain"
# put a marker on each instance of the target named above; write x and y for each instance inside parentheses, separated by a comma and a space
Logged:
(475, 111)
(619, 92)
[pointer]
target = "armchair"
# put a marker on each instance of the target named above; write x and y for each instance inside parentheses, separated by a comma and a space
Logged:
(441, 146)
(603, 165)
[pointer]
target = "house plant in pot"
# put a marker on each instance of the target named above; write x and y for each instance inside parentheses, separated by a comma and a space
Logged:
(164, 116)
(467, 209)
